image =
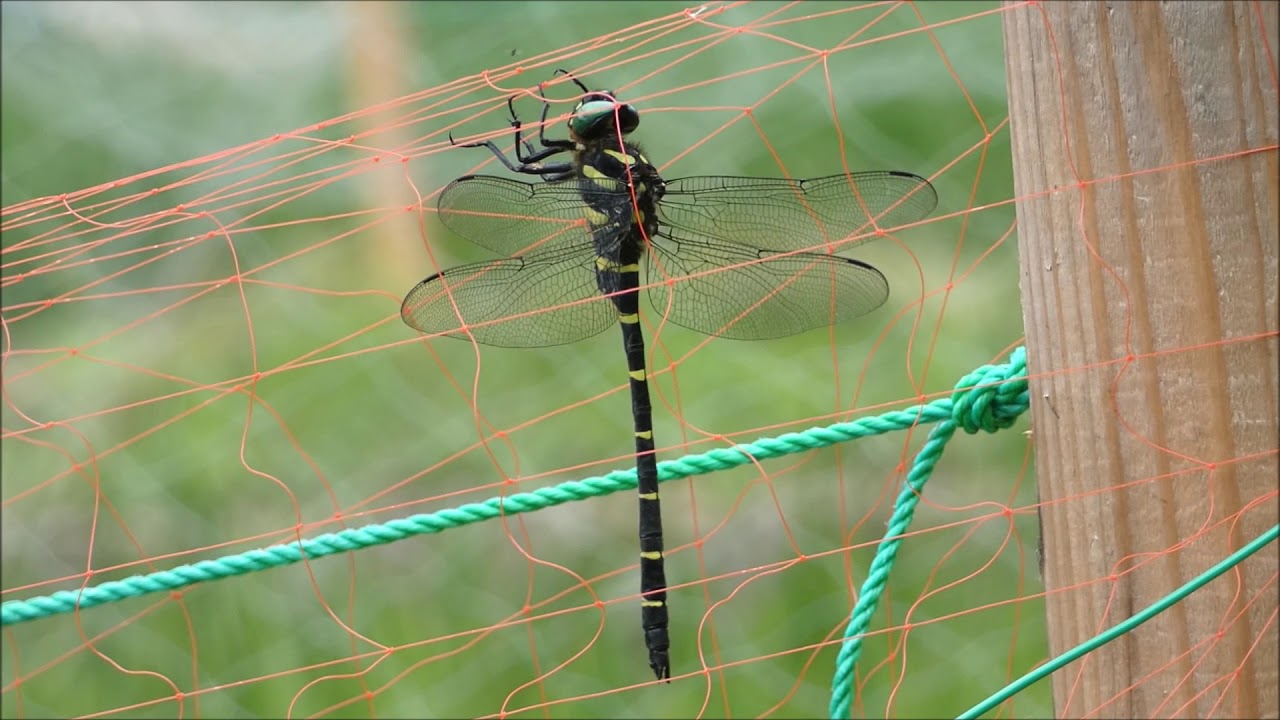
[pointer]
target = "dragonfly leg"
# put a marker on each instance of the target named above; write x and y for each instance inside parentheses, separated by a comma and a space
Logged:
(524, 166)
(575, 80)
(530, 156)
(527, 162)
(560, 145)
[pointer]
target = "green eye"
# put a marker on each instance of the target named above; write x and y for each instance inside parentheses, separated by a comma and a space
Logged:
(594, 118)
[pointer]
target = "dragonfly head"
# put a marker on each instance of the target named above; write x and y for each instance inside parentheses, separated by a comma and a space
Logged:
(598, 115)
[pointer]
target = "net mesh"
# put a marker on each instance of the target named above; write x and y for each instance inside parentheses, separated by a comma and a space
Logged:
(204, 357)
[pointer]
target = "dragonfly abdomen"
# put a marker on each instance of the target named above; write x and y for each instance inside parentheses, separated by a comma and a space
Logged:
(653, 579)
(619, 190)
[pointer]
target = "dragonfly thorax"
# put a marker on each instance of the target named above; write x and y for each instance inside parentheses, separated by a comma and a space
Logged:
(620, 191)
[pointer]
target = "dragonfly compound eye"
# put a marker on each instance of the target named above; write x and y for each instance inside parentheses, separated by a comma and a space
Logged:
(594, 117)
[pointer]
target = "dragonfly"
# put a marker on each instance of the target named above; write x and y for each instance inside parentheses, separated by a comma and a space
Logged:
(745, 258)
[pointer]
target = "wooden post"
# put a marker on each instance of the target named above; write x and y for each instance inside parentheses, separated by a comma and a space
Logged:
(1145, 159)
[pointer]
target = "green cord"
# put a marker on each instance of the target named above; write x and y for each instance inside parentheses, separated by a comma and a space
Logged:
(1098, 641)
(990, 398)
(65, 601)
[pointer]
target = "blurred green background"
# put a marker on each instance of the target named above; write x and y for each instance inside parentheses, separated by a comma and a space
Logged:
(155, 451)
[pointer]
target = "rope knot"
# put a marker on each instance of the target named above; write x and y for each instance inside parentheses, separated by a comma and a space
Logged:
(993, 396)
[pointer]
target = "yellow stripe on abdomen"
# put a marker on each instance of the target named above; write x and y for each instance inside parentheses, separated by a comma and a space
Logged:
(604, 263)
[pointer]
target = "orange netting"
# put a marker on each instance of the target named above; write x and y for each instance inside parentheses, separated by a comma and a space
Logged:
(208, 357)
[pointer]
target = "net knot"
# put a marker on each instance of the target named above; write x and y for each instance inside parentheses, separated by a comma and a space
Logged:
(993, 396)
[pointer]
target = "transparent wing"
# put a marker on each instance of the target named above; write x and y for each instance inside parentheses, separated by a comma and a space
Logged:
(780, 214)
(511, 217)
(485, 296)
(745, 293)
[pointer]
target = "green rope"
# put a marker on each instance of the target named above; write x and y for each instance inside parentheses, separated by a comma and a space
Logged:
(973, 408)
(65, 601)
(990, 398)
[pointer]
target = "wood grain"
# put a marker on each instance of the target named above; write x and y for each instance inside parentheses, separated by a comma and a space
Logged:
(1145, 162)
